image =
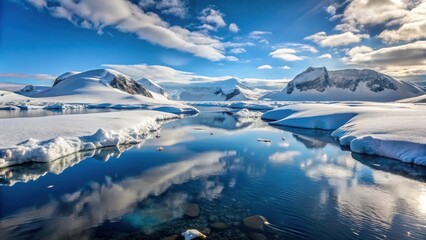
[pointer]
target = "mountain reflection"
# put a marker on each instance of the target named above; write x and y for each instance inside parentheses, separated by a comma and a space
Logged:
(33, 171)
(73, 213)
(310, 138)
(221, 120)
(357, 188)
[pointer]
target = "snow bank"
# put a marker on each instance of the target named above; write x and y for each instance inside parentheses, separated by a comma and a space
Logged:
(45, 139)
(391, 130)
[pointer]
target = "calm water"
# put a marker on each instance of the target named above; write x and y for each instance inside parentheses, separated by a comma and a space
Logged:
(42, 113)
(302, 182)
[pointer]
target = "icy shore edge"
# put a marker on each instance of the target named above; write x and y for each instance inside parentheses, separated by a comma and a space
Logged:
(33, 150)
(389, 130)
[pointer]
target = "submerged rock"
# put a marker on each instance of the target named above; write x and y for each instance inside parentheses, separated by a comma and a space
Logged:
(255, 222)
(191, 210)
(192, 234)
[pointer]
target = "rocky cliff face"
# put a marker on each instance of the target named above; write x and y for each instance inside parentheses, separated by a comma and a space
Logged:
(311, 79)
(129, 85)
(351, 79)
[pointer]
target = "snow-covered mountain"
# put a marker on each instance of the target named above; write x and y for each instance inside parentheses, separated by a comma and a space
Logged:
(153, 87)
(30, 90)
(319, 84)
(100, 85)
(64, 76)
(226, 90)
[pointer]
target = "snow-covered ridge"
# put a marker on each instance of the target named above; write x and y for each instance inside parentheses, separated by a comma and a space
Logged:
(101, 88)
(153, 87)
(319, 84)
(225, 90)
(393, 130)
(36, 139)
(72, 82)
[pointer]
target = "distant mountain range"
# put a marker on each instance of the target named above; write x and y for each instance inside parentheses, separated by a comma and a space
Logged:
(226, 90)
(319, 84)
(314, 84)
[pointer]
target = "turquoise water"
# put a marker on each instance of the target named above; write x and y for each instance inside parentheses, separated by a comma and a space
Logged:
(302, 181)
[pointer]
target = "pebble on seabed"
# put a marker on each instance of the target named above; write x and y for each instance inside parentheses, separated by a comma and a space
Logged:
(193, 233)
(191, 210)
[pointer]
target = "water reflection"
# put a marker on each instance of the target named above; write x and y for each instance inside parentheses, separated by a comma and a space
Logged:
(72, 213)
(221, 120)
(371, 200)
(412, 171)
(305, 184)
(42, 113)
(32, 171)
(311, 138)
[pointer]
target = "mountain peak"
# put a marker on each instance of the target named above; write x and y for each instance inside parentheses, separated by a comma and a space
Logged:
(311, 79)
(319, 84)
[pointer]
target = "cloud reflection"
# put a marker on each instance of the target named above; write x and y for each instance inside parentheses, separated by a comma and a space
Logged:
(73, 213)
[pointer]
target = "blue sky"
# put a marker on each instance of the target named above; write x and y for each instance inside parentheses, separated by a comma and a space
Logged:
(174, 39)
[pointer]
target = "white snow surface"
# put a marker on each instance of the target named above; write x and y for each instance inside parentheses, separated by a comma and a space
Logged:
(393, 130)
(153, 87)
(44, 139)
(418, 99)
(319, 84)
(7, 96)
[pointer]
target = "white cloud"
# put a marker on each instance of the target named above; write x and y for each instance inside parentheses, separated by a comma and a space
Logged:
(286, 54)
(285, 67)
(237, 50)
(326, 56)
(130, 18)
(345, 27)
(38, 3)
(213, 18)
(331, 9)
(259, 36)
(263, 67)
(360, 13)
(413, 26)
(399, 20)
(300, 47)
(155, 72)
(334, 40)
(163, 74)
(233, 27)
(172, 7)
(403, 60)
(28, 76)
(283, 157)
